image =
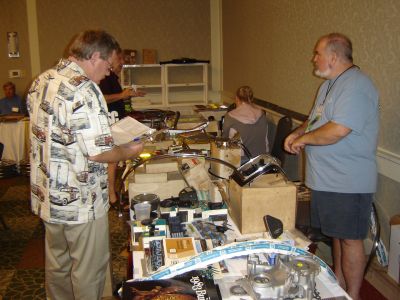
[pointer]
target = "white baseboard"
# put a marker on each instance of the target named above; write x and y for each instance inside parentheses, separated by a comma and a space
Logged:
(388, 164)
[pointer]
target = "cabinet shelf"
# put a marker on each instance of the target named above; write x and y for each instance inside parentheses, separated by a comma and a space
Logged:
(185, 84)
(148, 86)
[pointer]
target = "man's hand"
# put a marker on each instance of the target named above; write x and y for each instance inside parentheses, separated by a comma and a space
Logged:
(297, 145)
(127, 93)
(134, 147)
(288, 144)
(139, 93)
(291, 144)
(327, 134)
(130, 92)
(119, 153)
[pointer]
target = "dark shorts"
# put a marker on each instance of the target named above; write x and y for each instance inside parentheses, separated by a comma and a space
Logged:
(340, 215)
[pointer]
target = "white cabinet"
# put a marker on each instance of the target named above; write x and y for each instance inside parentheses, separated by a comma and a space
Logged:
(186, 83)
(167, 85)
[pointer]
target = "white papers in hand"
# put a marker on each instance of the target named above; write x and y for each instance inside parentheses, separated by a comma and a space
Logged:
(127, 130)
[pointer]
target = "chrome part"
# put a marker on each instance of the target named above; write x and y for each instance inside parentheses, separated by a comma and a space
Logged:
(257, 166)
(287, 277)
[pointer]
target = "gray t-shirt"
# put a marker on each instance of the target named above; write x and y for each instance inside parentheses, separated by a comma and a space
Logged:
(348, 166)
(254, 136)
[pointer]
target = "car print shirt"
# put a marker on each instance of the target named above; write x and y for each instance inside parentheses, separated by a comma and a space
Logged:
(68, 123)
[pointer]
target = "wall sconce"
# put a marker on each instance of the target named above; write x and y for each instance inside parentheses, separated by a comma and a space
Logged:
(13, 45)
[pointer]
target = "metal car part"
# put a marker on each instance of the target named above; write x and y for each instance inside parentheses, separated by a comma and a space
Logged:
(288, 277)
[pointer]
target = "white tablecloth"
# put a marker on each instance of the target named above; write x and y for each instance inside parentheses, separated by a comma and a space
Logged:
(15, 137)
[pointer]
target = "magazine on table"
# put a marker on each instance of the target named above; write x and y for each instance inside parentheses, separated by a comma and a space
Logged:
(188, 286)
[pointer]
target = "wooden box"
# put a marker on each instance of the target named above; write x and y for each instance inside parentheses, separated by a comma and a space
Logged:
(270, 194)
(149, 56)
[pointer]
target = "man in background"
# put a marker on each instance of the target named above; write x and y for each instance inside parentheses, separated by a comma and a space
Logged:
(340, 141)
(11, 103)
(71, 145)
(113, 92)
(115, 97)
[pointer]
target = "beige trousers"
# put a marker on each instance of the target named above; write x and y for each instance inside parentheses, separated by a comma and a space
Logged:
(76, 260)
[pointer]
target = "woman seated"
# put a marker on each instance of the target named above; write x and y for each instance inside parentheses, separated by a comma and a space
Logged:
(249, 121)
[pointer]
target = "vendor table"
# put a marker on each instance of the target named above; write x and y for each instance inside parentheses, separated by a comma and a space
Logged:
(326, 285)
(226, 261)
(15, 137)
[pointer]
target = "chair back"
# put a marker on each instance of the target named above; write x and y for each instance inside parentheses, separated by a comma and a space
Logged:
(283, 129)
(1, 150)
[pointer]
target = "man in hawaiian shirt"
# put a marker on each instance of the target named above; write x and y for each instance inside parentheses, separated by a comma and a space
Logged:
(71, 145)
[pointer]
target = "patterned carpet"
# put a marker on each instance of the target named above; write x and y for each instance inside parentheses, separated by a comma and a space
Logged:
(22, 244)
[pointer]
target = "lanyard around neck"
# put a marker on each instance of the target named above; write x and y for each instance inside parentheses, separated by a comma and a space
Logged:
(330, 86)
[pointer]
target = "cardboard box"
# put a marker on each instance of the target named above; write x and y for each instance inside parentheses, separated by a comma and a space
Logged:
(147, 178)
(161, 166)
(195, 175)
(270, 194)
(394, 252)
(177, 250)
(229, 154)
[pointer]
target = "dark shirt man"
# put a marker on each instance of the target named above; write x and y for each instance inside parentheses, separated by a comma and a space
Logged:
(113, 92)
(115, 96)
(110, 86)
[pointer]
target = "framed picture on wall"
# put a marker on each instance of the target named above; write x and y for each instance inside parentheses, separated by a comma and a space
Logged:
(129, 56)
(13, 44)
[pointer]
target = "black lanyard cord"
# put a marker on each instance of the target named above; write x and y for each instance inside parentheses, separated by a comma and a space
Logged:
(330, 86)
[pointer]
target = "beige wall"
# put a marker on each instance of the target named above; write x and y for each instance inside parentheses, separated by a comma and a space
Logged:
(268, 44)
(175, 28)
(13, 18)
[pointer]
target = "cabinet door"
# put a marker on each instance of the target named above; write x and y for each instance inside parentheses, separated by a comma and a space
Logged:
(186, 83)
